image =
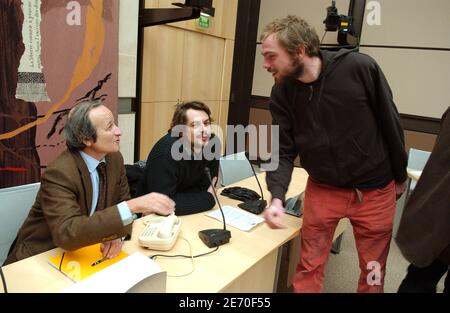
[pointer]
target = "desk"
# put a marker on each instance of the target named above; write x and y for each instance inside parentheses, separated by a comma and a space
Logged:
(249, 263)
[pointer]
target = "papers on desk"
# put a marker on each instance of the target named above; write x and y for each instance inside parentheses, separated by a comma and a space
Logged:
(134, 273)
(237, 218)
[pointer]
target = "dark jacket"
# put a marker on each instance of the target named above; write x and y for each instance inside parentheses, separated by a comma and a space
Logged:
(424, 232)
(184, 181)
(344, 126)
(60, 214)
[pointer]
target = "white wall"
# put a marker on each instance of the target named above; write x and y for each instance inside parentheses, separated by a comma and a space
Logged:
(313, 11)
(410, 23)
(128, 31)
(418, 77)
(126, 124)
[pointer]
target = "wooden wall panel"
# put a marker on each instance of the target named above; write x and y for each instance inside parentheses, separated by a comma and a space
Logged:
(202, 67)
(163, 61)
(126, 123)
(151, 3)
(223, 24)
(223, 115)
(155, 122)
(221, 121)
(227, 69)
(128, 38)
(184, 62)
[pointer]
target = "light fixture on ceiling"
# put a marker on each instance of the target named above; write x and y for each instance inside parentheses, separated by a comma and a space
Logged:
(205, 6)
(190, 9)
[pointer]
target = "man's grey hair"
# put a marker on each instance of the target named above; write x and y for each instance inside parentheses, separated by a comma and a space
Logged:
(79, 126)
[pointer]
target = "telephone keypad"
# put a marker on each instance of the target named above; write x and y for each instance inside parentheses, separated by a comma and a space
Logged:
(150, 230)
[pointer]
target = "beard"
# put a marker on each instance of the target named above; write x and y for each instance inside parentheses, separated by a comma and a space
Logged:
(293, 73)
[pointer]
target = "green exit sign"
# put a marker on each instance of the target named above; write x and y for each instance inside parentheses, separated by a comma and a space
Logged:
(203, 21)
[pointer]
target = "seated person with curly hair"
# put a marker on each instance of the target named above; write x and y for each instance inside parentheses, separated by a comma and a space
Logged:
(176, 164)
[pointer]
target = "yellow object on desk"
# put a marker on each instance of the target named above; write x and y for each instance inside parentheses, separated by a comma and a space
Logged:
(82, 263)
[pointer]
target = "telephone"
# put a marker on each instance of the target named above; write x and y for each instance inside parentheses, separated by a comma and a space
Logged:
(160, 232)
(240, 193)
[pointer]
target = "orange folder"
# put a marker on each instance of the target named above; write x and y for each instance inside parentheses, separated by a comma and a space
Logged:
(77, 265)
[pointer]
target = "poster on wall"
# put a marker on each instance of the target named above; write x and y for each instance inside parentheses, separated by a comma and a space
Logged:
(53, 54)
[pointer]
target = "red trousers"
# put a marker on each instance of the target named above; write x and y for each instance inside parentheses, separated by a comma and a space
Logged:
(371, 213)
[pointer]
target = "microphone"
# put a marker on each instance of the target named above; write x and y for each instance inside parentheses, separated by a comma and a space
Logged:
(258, 205)
(5, 289)
(215, 237)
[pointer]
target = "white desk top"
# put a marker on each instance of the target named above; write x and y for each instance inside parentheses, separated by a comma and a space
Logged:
(212, 273)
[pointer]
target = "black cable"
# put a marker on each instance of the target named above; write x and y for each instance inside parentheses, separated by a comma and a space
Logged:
(183, 256)
(323, 37)
(3, 281)
(257, 180)
(208, 174)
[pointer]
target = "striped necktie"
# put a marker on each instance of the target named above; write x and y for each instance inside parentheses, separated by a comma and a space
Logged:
(102, 191)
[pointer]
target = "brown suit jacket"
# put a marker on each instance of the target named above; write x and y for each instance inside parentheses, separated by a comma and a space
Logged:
(60, 214)
(424, 232)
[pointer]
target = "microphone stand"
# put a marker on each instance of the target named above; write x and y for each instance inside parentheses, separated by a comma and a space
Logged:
(215, 237)
(5, 289)
(258, 205)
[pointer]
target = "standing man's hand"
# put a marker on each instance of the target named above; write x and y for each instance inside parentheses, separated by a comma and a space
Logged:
(274, 214)
(400, 189)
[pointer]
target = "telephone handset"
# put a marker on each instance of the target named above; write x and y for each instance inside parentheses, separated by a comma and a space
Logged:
(160, 232)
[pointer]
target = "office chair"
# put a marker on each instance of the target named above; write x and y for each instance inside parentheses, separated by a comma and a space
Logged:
(233, 168)
(15, 204)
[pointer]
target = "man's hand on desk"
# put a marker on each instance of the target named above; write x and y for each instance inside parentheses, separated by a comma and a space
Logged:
(111, 249)
(274, 214)
(152, 203)
(400, 189)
